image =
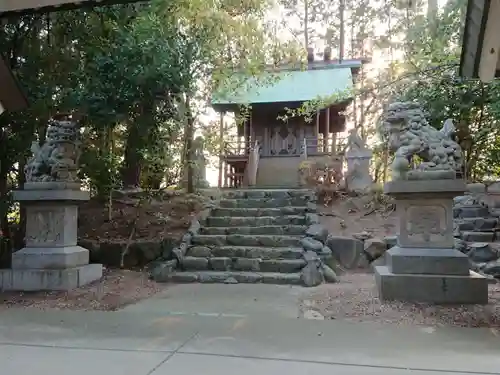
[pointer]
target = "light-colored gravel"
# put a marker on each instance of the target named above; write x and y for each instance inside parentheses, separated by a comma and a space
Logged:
(116, 289)
(355, 298)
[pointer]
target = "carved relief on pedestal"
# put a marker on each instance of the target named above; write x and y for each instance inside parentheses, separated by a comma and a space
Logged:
(426, 223)
(45, 226)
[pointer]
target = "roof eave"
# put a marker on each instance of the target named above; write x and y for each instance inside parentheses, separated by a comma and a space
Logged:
(60, 5)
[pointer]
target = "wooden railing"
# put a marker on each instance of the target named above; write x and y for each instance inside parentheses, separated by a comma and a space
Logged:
(313, 146)
(235, 147)
(252, 165)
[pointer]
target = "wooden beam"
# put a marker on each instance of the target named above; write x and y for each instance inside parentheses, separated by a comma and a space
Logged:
(9, 7)
(316, 132)
(327, 127)
(491, 44)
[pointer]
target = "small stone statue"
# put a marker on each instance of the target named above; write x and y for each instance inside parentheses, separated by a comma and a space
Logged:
(354, 142)
(409, 134)
(200, 163)
(57, 159)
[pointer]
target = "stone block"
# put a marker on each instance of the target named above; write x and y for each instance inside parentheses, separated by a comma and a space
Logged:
(427, 261)
(255, 221)
(480, 223)
(390, 241)
(478, 236)
(162, 271)
(50, 258)
(221, 263)
(482, 252)
(260, 240)
(49, 279)
(282, 265)
(184, 277)
(246, 264)
(318, 232)
(310, 244)
(281, 278)
(199, 251)
(375, 247)
(436, 289)
(50, 195)
(346, 250)
(193, 263)
(470, 211)
(258, 212)
(312, 274)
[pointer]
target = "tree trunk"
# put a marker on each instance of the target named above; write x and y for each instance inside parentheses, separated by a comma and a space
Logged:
(132, 163)
(189, 146)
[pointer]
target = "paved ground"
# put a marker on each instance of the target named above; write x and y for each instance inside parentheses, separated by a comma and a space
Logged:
(228, 329)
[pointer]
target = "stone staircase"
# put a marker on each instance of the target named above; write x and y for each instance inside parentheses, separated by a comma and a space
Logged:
(256, 236)
(473, 221)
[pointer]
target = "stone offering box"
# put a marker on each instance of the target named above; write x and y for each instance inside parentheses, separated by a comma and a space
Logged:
(51, 260)
(424, 266)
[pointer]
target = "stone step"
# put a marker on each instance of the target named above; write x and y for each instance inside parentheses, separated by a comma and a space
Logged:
(247, 221)
(242, 264)
(257, 252)
(470, 211)
(268, 229)
(268, 193)
(477, 224)
(478, 236)
(262, 202)
(247, 240)
(233, 277)
(259, 212)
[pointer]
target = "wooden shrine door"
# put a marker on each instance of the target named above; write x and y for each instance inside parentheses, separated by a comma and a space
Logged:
(284, 139)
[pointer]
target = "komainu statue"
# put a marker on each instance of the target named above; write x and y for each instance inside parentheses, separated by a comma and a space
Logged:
(57, 159)
(409, 134)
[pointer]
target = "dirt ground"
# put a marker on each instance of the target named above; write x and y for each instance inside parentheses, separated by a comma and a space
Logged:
(348, 216)
(355, 298)
(117, 288)
(166, 214)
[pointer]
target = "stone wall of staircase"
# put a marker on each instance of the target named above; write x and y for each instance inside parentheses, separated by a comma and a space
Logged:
(254, 236)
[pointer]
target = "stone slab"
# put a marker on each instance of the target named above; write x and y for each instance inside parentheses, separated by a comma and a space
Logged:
(425, 187)
(50, 195)
(52, 185)
(436, 289)
(466, 212)
(50, 258)
(47, 280)
(427, 261)
(478, 236)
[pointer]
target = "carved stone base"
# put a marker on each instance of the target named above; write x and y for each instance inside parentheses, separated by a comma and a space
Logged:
(438, 289)
(424, 266)
(46, 280)
(50, 257)
(427, 261)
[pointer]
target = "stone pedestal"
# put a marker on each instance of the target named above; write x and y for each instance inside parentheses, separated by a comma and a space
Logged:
(424, 266)
(51, 260)
(358, 178)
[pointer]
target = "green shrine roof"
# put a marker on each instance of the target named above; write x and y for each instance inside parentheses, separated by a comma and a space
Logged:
(287, 86)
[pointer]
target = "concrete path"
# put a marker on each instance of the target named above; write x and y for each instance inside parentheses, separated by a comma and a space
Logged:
(222, 330)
